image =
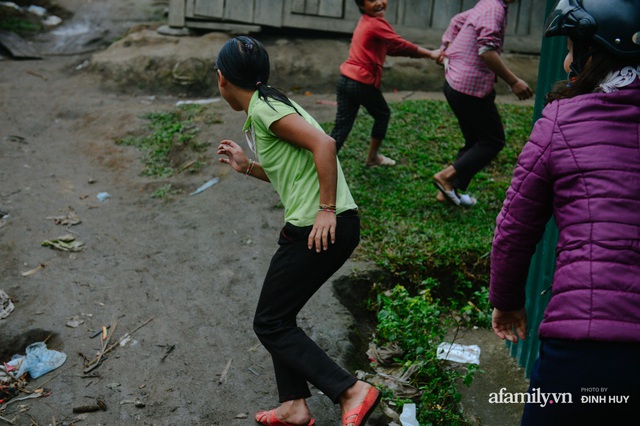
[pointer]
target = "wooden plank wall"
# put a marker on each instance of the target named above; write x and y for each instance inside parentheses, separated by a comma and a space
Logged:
(268, 13)
(409, 17)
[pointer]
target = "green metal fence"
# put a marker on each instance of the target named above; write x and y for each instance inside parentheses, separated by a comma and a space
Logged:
(550, 70)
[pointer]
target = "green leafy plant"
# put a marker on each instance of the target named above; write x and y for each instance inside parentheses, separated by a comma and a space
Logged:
(418, 326)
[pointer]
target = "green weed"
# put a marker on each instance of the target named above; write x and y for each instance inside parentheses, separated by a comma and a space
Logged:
(169, 135)
(20, 26)
(164, 191)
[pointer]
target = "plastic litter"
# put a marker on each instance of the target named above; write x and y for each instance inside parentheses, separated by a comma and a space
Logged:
(102, 196)
(466, 354)
(38, 360)
(206, 185)
(198, 102)
(408, 416)
(6, 305)
(37, 10)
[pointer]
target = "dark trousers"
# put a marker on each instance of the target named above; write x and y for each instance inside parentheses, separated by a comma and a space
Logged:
(350, 95)
(482, 130)
(598, 375)
(294, 275)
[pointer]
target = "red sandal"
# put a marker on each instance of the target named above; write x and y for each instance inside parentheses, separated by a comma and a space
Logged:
(269, 418)
(358, 416)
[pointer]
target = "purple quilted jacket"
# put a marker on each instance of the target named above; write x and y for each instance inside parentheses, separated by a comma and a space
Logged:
(581, 165)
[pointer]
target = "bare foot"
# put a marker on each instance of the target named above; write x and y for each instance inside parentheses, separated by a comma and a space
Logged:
(443, 181)
(380, 160)
(444, 178)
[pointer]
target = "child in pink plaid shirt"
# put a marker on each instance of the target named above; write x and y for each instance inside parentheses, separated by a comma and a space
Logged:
(470, 52)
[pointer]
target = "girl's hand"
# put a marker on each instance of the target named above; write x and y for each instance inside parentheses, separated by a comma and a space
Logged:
(509, 325)
(324, 229)
(236, 157)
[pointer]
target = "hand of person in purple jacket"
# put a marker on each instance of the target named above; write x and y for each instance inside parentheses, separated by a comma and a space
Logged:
(510, 325)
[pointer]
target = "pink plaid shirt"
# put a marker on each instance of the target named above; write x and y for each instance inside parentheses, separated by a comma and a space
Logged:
(470, 34)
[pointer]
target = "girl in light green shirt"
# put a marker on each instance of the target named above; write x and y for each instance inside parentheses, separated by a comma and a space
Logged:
(322, 228)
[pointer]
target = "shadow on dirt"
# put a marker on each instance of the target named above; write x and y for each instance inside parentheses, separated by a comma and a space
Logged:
(12, 345)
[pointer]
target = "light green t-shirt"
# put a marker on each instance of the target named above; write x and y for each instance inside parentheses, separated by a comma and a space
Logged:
(290, 169)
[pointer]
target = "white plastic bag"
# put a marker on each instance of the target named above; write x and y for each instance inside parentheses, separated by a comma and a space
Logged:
(408, 416)
(466, 354)
(39, 360)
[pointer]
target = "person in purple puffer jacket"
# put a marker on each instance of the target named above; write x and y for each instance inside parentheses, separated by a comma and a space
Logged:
(581, 166)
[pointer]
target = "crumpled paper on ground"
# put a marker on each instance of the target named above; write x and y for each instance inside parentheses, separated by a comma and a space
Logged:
(66, 220)
(385, 356)
(391, 374)
(6, 305)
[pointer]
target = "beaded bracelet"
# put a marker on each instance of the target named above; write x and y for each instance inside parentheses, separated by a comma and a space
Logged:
(327, 210)
(250, 167)
(327, 206)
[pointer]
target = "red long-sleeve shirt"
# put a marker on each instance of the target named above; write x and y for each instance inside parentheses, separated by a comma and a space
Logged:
(373, 39)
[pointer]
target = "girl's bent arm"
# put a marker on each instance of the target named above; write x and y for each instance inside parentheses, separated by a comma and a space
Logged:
(297, 131)
(237, 159)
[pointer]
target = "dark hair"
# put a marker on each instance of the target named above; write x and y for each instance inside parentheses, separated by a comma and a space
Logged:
(602, 62)
(360, 4)
(245, 62)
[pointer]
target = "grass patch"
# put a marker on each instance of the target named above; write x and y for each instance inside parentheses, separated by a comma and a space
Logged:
(21, 27)
(170, 143)
(436, 256)
(405, 231)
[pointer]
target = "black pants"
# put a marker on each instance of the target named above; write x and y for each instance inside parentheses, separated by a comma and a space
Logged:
(602, 378)
(350, 95)
(294, 275)
(483, 133)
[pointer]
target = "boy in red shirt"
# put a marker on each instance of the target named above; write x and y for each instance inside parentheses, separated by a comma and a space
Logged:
(361, 74)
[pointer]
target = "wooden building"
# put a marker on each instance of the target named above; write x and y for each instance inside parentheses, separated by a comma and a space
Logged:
(418, 20)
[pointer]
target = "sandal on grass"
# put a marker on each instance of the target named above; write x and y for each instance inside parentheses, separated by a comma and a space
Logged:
(269, 418)
(450, 195)
(384, 161)
(359, 415)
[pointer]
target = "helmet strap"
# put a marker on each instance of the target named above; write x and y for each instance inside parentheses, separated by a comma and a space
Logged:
(581, 53)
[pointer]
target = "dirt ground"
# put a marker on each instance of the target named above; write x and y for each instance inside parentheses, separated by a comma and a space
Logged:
(181, 276)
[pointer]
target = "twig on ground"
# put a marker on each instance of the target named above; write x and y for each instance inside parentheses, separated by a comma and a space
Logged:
(169, 349)
(223, 376)
(7, 420)
(110, 348)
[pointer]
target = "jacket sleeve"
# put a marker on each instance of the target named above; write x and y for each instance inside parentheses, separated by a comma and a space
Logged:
(524, 215)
